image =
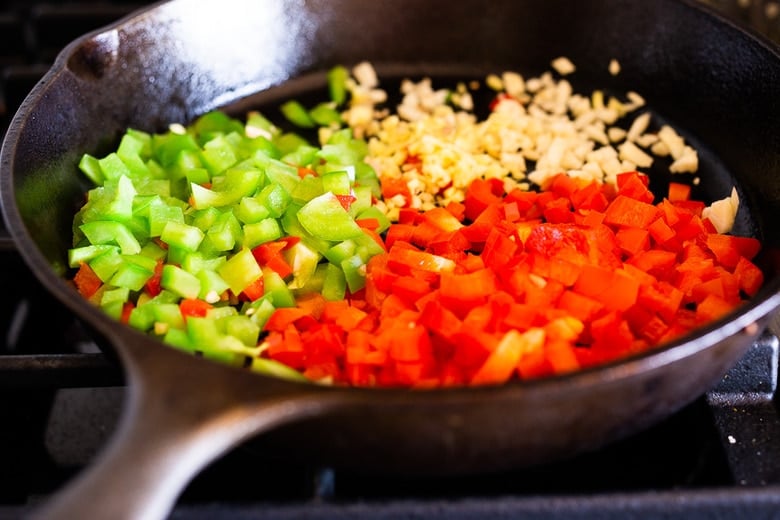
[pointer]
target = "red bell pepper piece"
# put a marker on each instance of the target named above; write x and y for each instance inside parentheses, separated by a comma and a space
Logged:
(396, 186)
(87, 282)
(625, 211)
(254, 290)
(270, 255)
(750, 277)
(679, 192)
(194, 307)
(152, 285)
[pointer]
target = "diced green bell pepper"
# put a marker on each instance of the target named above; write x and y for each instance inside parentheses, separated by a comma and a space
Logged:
(267, 230)
(90, 166)
(111, 232)
(324, 217)
(182, 235)
(334, 286)
(113, 167)
(354, 269)
(303, 260)
(87, 253)
(297, 114)
(337, 182)
(179, 281)
(131, 275)
(337, 84)
(240, 271)
(325, 114)
(275, 199)
(272, 368)
(212, 285)
(250, 210)
(276, 288)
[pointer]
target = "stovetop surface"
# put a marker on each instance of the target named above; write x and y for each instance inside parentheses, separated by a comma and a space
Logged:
(60, 398)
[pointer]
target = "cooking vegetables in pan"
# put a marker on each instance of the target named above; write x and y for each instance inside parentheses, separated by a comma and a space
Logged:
(420, 248)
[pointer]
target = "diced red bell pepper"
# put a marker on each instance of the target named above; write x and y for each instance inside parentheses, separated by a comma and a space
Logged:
(597, 275)
(399, 232)
(269, 255)
(499, 249)
(469, 287)
(625, 211)
(502, 361)
(392, 186)
(303, 172)
(346, 201)
(368, 223)
(254, 290)
(194, 307)
(87, 282)
(152, 285)
(660, 231)
(679, 191)
(633, 240)
(729, 248)
(481, 194)
(635, 185)
(590, 197)
(286, 347)
(581, 307)
(750, 277)
(127, 309)
(439, 319)
(284, 317)
(404, 260)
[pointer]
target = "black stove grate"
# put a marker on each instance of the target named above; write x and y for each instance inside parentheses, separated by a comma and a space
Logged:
(60, 397)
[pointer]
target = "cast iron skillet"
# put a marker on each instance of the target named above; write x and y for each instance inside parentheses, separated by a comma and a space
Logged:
(168, 64)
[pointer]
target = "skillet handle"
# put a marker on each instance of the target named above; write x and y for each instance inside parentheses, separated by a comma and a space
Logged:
(181, 413)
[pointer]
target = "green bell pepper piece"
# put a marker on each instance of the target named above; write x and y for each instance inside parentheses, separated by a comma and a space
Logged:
(272, 368)
(276, 288)
(308, 188)
(111, 232)
(250, 210)
(181, 235)
(297, 114)
(131, 275)
(337, 84)
(225, 232)
(267, 230)
(337, 182)
(90, 166)
(180, 282)
(354, 269)
(325, 114)
(324, 217)
(260, 310)
(113, 167)
(275, 199)
(86, 253)
(178, 338)
(240, 270)
(106, 264)
(257, 122)
(334, 286)
(160, 214)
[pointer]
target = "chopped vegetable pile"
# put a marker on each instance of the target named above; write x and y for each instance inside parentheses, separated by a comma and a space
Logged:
(366, 259)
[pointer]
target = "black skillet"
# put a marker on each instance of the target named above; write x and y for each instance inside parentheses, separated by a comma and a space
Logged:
(712, 80)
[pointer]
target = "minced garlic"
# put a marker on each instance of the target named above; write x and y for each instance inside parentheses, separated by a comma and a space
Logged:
(539, 127)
